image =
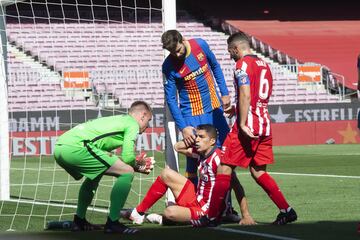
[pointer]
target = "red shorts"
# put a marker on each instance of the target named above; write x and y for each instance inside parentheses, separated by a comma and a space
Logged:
(240, 150)
(187, 198)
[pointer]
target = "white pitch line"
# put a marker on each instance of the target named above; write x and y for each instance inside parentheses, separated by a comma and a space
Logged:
(56, 205)
(315, 175)
(307, 175)
(240, 173)
(254, 233)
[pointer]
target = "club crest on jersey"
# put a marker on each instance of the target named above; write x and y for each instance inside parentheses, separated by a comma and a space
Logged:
(223, 149)
(204, 178)
(200, 56)
(241, 76)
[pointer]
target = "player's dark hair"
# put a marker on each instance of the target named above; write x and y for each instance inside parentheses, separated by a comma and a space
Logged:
(210, 130)
(140, 105)
(238, 36)
(170, 39)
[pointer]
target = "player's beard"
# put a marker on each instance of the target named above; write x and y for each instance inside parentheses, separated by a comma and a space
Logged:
(198, 148)
(182, 57)
(234, 57)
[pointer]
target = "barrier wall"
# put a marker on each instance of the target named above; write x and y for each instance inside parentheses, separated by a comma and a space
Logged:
(33, 133)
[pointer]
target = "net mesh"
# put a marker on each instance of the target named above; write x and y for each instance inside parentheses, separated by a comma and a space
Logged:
(69, 62)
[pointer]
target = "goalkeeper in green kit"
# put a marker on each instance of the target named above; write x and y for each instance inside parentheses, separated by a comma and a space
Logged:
(85, 151)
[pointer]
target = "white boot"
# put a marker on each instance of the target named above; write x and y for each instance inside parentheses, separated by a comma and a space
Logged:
(154, 218)
(136, 218)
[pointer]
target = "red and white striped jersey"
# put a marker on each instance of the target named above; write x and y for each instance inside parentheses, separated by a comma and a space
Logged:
(207, 172)
(253, 71)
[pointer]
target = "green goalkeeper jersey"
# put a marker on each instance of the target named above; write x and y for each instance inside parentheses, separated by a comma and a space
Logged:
(107, 134)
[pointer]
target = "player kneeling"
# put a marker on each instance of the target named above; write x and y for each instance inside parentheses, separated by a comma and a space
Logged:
(85, 151)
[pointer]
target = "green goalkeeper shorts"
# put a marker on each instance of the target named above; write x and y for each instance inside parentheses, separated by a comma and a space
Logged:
(88, 161)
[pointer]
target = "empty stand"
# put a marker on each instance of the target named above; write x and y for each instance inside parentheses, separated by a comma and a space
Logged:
(122, 62)
(334, 44)
(31, 88)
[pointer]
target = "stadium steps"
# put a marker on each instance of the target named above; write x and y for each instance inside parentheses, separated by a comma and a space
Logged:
(112, 59)
(309, 42)
(302, 92)
(277, 59)
(40, 88)
(283, 75)
(49, 75)
(106, 100)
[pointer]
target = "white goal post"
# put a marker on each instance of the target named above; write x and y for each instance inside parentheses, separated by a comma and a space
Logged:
(169, 22)
(4, 114)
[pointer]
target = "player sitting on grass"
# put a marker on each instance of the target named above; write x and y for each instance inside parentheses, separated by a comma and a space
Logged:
(85, 151)
(191, 205)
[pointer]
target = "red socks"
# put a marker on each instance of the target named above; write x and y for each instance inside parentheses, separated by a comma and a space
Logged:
(222, 185)
(155, 192)
(272, 189)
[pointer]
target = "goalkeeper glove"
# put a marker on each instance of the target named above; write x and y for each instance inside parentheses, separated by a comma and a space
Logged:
(144, 164)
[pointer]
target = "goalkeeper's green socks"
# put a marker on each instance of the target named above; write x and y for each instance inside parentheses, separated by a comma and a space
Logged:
(119, 194)
(86, 194)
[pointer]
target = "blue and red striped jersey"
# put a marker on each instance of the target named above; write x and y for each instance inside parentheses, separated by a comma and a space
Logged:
(193, 78)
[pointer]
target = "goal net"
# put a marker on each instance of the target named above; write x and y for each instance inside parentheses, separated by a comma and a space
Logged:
(69, 61)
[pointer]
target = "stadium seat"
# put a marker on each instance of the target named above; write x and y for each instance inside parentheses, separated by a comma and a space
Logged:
(101, 49)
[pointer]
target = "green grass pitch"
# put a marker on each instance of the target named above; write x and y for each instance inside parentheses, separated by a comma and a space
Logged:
(321, 182)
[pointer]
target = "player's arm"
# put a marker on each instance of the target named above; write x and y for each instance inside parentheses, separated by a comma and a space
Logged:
(140, 163)
(240, 196)
(131, 132)
(170, 96)
(171, 99)
(244, 98)
(358, 68)
(244, 103)
(218, 74)
(182, 148)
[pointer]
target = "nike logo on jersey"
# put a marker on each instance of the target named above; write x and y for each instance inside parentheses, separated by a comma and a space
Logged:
(182, 70)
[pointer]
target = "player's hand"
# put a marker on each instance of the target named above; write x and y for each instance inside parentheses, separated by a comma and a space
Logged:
(246, 130)
(229, 112)
(189, 136)
(226, 101)
(247, 221)
(144, 164)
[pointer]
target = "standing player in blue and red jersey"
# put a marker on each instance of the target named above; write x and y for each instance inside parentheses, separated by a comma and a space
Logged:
(249, 144)
(192, 71)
